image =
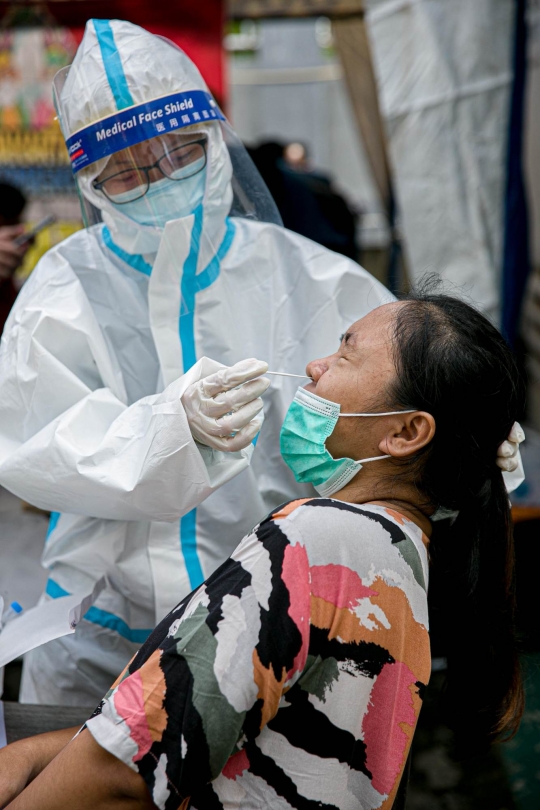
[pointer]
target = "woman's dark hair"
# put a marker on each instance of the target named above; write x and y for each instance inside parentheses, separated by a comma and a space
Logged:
(453, 363)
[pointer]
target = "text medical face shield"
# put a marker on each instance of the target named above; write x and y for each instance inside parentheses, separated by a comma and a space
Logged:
(148, 143)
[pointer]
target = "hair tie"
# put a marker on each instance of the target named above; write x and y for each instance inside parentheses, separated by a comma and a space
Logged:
(508, 455)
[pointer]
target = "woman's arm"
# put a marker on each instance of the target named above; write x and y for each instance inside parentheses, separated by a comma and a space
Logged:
(84, 776)
(214, 667)
(22, 761)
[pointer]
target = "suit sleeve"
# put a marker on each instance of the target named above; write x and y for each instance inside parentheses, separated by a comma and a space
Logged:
(68, 440)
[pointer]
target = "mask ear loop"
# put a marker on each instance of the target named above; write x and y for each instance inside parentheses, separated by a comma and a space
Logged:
(373, 458)
(385, 413)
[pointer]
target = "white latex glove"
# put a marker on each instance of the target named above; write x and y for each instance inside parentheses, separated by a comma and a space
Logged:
(508, 453)
(223, 415)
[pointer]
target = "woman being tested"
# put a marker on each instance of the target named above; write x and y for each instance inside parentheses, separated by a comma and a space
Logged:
(293, 677)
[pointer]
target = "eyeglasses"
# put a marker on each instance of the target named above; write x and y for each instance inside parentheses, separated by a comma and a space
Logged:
(132, 184)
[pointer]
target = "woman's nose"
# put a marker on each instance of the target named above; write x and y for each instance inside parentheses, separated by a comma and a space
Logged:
(316, 368)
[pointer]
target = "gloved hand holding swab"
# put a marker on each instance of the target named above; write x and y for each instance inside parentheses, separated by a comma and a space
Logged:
(223, 409)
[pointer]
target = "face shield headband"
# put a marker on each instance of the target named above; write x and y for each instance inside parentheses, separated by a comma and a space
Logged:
(139, 123)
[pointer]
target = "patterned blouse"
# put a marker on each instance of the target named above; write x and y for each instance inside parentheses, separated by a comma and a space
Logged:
(292, 678)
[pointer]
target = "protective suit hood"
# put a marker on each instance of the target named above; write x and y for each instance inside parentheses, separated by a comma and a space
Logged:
(118, 66)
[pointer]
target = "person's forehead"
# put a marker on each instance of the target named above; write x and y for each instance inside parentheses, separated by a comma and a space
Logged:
(374, 328)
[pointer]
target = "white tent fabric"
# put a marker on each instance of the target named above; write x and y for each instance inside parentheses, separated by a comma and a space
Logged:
(444, 69)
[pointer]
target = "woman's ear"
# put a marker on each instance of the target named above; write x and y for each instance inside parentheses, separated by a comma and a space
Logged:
(407, 434)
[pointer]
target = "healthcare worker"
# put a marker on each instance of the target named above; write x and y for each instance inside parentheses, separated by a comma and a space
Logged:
(110, 414)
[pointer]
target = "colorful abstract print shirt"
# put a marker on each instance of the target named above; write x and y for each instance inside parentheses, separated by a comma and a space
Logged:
(292, 678)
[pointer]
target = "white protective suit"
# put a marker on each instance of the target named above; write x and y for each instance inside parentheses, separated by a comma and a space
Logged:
(105, 337)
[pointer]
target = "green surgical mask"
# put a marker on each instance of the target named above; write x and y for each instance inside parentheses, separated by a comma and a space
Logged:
(308, 423)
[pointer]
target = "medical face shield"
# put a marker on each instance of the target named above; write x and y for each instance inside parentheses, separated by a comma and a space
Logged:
(149, 145)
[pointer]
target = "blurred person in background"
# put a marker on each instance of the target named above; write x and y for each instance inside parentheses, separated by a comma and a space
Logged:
(12, 205)
(307, 199)
(295, 156)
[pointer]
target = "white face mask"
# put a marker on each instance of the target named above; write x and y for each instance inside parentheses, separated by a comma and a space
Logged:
(165, 200)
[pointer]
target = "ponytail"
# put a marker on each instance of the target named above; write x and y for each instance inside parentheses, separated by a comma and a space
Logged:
(451, 362)
(472, 607)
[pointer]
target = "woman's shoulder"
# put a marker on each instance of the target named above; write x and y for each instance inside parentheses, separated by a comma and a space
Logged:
(369, 539)
(325, 515)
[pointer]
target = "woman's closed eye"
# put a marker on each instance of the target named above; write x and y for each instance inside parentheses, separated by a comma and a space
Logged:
(348, 343)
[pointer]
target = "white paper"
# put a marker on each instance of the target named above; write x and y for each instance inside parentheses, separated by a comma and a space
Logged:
(45, 622)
